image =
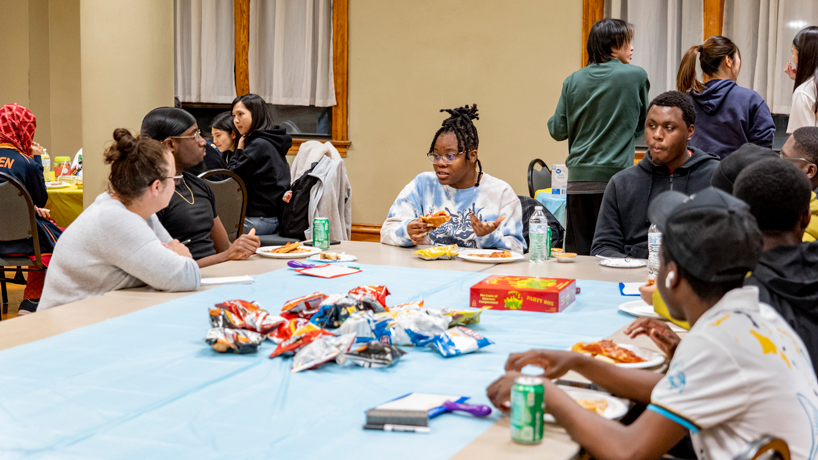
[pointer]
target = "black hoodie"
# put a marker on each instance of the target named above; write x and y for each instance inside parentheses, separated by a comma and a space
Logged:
(622, 225)
(262, 165)
(787, 280)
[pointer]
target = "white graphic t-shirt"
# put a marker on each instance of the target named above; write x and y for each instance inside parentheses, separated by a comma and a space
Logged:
(489, 201)
(740, 373)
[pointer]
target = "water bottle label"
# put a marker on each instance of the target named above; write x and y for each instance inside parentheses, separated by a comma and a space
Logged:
(654, 238)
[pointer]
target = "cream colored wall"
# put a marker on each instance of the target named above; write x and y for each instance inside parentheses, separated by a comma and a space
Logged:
(39, 70)
(14, 77)
(127, 70)
(64, 62)
(408, 60)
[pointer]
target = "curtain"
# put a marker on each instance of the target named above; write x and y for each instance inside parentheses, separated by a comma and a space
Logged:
(663, 31)
(291, 52)
(763, 31)
(204, 51)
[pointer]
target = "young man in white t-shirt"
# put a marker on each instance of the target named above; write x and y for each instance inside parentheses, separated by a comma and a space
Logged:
(741, 371)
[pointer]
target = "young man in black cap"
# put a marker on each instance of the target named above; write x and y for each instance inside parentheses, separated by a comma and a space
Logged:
(801, 149)
(787, 274)
(741, 371)
(622, 226)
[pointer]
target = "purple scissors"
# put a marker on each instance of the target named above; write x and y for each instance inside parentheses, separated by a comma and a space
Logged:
(297, 264)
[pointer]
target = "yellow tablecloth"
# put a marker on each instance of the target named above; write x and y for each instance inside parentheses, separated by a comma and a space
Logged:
(65, 204)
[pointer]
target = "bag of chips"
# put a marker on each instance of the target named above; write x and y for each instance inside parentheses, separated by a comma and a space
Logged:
(335, 309)
(438, 252)
(375, 354)
(414, 325)
(300, 338)
(366, 325)
(462, 317)
(239, 341)
(302, 307)
(459, 341)
(241, 314)
(286, 330)
(321, 350)
(376, 296)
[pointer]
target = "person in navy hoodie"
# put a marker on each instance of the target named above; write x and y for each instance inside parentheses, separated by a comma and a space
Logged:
(727, 115)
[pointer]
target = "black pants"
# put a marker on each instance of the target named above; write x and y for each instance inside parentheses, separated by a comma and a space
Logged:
(582, 211)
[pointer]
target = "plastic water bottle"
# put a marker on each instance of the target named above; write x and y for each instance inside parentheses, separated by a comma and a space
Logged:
(537, 226)
(46, 166)
(654, 243)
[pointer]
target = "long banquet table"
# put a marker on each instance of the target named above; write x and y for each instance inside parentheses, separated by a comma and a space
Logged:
(128, 374)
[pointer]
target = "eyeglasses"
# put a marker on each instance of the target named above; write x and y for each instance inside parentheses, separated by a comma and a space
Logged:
(783, 157)
(176, 179)
(448, 158)
(197, 136)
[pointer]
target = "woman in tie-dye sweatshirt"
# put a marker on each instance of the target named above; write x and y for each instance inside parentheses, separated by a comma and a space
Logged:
(485, 212)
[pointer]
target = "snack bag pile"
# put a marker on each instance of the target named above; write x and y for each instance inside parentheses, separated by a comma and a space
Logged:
(357, 326)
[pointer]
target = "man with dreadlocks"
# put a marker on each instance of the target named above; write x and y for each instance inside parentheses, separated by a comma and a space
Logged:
(485, 212)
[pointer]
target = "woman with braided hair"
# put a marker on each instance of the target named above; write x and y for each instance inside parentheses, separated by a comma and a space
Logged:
(485, 212)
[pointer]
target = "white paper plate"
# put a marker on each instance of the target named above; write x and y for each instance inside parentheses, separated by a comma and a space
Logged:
(652, 358)
(299, 255)
(616, 408)
(344, 258)
(468, 254)
(640, 309)
(623, 263)
(57, 184)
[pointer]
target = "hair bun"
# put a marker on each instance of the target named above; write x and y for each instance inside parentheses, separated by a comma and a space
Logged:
(124, 144)
(469, 113)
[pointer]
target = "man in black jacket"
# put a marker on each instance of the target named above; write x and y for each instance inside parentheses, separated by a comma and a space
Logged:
(622, 226)
(787, 274)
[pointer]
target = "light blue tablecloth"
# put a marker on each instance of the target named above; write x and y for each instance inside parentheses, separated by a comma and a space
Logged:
(146, 385)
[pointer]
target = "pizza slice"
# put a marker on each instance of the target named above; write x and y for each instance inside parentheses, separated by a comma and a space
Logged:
(608, 349)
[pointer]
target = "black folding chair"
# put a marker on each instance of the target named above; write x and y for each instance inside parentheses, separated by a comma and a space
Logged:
(19, 222)
(538, 179)
(231, 199)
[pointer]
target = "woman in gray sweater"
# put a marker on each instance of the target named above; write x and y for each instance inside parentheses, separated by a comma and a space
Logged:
(118, 242)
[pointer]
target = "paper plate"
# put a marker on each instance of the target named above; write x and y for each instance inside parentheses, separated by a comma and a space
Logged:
(616, 408)
(264, 252)
(344, 258)
(623, 263)
(469, 254)
(57, 184)
(640, 309)
(651, 358)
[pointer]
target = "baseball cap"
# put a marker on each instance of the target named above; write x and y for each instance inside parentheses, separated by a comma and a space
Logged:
(724, 176)
(710, 234)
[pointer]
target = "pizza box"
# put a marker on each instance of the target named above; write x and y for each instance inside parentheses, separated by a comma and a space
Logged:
(501, 292)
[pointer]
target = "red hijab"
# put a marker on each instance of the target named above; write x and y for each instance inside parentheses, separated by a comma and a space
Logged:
(17, 126)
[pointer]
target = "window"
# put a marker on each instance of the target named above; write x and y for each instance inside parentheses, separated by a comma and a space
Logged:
(303, 77)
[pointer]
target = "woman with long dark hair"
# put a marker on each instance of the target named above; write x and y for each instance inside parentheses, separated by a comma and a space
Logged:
(805, 91)
(225, 135)
(260, 161)
(727, 115)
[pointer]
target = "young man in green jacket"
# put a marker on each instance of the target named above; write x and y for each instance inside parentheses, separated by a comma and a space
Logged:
(601, 112)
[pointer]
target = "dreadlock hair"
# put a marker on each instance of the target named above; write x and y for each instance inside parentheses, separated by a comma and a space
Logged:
(460, 123)
(806, 142)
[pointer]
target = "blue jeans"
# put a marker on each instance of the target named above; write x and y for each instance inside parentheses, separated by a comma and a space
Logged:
(263, 225)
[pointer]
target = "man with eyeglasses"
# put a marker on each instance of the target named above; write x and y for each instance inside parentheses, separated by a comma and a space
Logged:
(801, 149)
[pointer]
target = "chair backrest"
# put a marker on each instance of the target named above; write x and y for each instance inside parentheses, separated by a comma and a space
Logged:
(19, 219)
(767, 447)
(538, 179)
(231, 200)
(557, 231)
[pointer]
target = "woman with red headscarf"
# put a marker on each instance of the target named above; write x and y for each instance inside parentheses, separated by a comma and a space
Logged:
(20, 158)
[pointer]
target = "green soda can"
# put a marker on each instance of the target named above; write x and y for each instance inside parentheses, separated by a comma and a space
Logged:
(547, 243)
(527, 410)
(320, 233)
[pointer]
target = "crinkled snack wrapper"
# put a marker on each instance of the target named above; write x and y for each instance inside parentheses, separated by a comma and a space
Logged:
(438, 252)
(239, 341)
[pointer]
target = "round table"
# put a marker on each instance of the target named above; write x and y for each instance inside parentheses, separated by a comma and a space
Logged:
(65, 204)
